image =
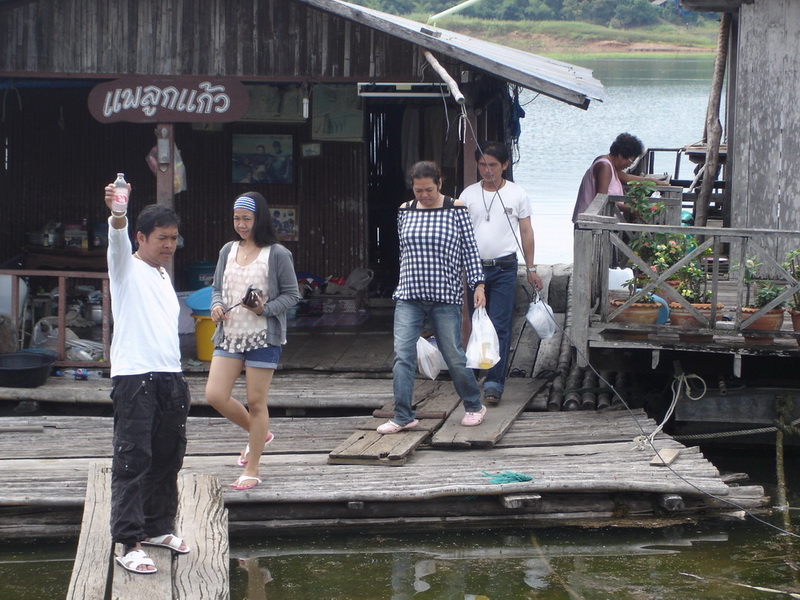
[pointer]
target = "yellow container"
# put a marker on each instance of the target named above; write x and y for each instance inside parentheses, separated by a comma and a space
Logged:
(204, 329)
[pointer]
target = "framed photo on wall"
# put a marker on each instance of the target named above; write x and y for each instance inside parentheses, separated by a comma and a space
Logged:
(337, 113)
(262, 158)
(286, 223)
(274, 103)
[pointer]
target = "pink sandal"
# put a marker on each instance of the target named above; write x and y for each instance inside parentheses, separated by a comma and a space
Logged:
(392, 427)
(242, 462)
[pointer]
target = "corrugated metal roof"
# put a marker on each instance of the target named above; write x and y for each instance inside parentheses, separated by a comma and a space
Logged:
(562, 81)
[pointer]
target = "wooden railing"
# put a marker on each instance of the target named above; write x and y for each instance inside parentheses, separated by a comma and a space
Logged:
(62, 277)
(601, 231)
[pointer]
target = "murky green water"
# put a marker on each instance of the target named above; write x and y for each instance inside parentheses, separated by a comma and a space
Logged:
(712, 560)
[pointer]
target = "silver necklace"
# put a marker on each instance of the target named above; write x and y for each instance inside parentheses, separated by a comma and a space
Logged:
(491, 202)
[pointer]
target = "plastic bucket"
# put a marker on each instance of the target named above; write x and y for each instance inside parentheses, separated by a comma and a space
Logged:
(199, 275)
(204, 329)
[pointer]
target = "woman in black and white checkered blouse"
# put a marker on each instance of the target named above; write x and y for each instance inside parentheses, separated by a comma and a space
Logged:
(437, 246)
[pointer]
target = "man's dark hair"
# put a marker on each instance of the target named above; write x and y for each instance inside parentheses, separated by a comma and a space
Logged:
(263, 231)
(497, 149)
(627, 146)
(156, 215)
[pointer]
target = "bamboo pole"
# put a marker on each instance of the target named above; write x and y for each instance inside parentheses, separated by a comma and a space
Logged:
(713, 125)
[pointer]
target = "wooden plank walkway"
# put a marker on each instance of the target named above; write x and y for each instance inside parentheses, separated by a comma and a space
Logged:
(202, 521)
(312, 391)
(583, 464)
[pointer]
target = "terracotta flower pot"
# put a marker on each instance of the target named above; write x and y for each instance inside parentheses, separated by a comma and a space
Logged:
(681, 318)
(795, 314)
(638, 313)
(771, 321)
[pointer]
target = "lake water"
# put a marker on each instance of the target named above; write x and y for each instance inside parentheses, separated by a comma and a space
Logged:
(663, 102)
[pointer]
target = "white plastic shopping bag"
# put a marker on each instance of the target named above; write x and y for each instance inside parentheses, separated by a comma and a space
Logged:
(483, 347)
(429, 359)
(540, 316)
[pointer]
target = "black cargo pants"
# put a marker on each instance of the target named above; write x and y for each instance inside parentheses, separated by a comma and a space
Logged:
(150, 413)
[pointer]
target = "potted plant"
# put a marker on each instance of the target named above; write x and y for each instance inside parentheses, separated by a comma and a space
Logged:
(765, 292)
(692, 286)
(792, 265)
(642, 312)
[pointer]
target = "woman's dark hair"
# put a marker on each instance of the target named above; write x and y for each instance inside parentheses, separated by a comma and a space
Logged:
(423, 169)
(497, 149)
(263, 231)
(155, 215)
(627, 146)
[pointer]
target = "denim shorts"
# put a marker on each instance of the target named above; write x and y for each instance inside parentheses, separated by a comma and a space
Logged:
(261, 358)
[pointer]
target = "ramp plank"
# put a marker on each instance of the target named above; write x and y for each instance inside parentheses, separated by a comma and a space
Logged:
(202, 522)
(498, 419)
(93, 560)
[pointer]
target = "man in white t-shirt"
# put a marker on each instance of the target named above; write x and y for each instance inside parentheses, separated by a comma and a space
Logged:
(501, 217)
(150, 396)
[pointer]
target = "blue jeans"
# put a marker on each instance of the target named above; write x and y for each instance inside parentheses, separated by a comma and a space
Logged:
(409, 318)
(500, 284)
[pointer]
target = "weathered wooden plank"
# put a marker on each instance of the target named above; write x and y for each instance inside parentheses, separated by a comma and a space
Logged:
(498, 419)
(370, 447)
(295, 391)
(367, 353)
(90, 570)
(202, 521)
(665, 457)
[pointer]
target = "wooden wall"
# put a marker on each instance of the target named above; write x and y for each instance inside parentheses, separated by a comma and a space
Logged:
(59, 158)
(766, 151)
(259, 38)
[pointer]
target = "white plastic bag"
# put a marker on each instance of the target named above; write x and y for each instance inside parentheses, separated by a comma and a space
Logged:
(429, 359)
(540, 316)
(483, 347)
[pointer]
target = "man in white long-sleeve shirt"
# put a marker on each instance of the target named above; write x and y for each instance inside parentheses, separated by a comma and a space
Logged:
(151, 398)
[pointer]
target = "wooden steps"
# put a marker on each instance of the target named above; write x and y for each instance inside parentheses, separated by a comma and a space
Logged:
(202, 522)
(436, 400)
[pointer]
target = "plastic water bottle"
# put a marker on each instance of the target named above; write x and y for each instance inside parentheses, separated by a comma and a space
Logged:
(120, 203)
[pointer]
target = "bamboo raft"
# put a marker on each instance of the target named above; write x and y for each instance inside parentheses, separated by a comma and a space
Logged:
(583, 468)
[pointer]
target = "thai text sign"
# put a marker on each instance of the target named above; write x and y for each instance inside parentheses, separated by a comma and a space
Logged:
(144, 99)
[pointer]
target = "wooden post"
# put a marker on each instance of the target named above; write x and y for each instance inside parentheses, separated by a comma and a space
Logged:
(713, 126)
(165, 176)
(581, 293)
(470, 145)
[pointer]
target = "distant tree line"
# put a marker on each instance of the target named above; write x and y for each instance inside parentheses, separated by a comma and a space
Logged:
(610, 13)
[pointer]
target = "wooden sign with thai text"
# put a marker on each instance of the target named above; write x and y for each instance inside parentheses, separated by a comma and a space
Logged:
(145, 99)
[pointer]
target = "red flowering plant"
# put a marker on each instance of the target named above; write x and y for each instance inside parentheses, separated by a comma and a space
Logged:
(640, 203)
(643, 209)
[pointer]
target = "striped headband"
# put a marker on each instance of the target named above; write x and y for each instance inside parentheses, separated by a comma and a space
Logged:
(245, 202)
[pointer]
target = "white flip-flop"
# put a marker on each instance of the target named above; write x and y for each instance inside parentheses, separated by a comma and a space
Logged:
(173, 544)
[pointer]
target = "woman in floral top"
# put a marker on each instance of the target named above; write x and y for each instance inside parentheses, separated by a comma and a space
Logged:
(250, 333)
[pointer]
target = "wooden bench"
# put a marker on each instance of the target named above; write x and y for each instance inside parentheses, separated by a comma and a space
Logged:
(202, 521)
